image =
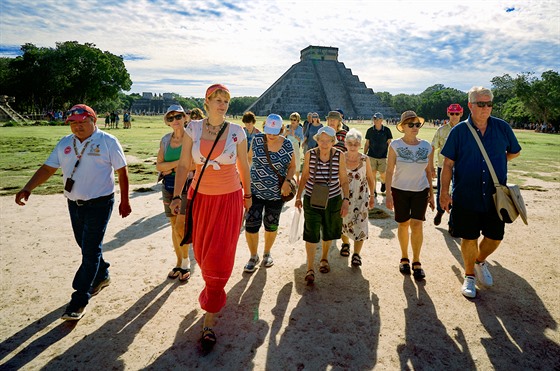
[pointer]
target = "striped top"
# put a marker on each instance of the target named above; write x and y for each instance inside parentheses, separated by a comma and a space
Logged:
(321, 169)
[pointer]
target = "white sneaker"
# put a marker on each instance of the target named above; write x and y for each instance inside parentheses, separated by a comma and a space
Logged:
(267, 260)
(483, 274)
(469, 287)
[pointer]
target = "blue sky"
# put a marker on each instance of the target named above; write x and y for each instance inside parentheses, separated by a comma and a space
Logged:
(399, 46)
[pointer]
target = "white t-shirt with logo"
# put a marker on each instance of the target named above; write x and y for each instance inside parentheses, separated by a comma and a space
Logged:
(94, 177)
(412, 161)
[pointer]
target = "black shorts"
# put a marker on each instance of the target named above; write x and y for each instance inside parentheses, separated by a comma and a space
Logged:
(410, 205)
(265, 212)
(469, 224)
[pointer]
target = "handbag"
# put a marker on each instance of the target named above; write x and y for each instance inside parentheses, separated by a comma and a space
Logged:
(507, 198)
(187, 239)
(320, 194)
(281, 179)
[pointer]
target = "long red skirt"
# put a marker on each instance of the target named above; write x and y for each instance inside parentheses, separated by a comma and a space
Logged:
(217, 223)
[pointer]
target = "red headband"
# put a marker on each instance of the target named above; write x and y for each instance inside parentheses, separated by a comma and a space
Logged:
(215, 87)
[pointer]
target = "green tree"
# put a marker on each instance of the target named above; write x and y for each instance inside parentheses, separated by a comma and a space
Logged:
(541, 97)
(238, 105)
(47, 78)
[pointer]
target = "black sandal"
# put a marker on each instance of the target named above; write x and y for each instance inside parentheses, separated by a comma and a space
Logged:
(310, 277)
(404, 266)
(356, 260)
(345, 249)
(174, 273)
(418, 272)
(325, 268)
(182, 274)
(208, 339)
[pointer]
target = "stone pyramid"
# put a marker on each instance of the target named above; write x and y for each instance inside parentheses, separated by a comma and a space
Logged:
(320, 83)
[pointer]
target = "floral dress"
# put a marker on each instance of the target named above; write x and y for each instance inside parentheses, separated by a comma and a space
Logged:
(355, 223)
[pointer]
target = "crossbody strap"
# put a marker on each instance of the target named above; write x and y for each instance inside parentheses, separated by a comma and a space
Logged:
(270, 161)
(484, 154)
(317, 158)
(208, 159)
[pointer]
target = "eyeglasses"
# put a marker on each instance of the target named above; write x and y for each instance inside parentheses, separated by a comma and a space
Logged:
(293, 119)
(77, 111)
(454, 113)
(176, 117)
(413, 124)
(482, 104)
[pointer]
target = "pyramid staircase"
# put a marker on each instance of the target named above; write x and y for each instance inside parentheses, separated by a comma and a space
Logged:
(8, 111)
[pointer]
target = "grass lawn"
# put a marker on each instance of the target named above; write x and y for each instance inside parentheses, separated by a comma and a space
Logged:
(24, 149)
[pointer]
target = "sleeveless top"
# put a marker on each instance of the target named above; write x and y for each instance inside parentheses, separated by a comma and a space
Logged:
(321, 169)
(264, 181)
(410, 169)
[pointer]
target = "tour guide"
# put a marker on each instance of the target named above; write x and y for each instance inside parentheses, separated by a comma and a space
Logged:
(88, 158)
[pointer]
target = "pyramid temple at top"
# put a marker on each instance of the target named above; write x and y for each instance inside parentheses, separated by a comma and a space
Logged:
(320, 83)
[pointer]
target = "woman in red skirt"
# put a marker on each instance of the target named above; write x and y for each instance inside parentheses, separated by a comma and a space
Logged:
(224, 190)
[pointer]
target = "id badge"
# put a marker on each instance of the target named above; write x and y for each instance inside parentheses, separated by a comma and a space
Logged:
(69, 184)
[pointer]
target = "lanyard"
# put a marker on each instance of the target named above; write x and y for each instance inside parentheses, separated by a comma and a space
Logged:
(79, 156)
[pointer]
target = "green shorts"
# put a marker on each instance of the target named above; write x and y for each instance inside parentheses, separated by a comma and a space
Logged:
(166, 196)
(328, 221)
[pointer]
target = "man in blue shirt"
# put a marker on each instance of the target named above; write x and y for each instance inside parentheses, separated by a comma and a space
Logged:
(473, 209)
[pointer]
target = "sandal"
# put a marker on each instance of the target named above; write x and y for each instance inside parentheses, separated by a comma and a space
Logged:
(418, 272)
(208, 339)
(345, 249)
(356, 260)
(175, 272)
(310, 277)
(404, 266)
(184, 274)
(324, 268)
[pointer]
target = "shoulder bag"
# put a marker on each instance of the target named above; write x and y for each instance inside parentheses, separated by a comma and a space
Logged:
(320, 193)
(187, 239)
(281, 179)
(508, 200)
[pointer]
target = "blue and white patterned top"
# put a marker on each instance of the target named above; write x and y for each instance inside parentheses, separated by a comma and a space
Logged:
(264, 181)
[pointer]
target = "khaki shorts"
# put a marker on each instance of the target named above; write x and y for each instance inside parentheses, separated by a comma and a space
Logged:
(379, 164)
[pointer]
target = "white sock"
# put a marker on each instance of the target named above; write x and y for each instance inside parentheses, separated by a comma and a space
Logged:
(186, 263)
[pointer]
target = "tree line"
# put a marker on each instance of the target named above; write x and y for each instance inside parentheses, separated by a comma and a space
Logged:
(45, 79)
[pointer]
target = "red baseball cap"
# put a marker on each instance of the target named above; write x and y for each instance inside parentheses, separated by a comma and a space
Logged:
(455, 107)
(80, 112)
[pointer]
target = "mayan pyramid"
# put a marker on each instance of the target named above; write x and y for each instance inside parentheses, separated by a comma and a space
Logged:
(320, 83)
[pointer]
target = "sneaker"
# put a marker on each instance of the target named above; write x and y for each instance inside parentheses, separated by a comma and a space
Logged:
(437, 219)
(251, 265)
(382, 187)
(73, 314)
(100, 286)
(267, 260)
(483, 274)
(469, 287)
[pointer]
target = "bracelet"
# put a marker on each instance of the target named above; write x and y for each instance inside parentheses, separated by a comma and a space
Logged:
(176, 198)
(346, 198)
(247, 195)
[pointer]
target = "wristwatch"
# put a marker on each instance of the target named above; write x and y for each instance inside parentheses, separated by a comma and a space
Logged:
(346, 198)
(176, 198)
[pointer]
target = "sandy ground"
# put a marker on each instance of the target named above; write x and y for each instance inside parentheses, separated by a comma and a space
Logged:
(359, 319)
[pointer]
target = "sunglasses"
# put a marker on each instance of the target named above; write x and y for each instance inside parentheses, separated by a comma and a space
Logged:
(293, 119)
(413, 124)
(78, 111)
(178, 116)
(482, 104)
(455, 113)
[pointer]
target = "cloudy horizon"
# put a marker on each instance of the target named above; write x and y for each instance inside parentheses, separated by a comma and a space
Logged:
(397, 46)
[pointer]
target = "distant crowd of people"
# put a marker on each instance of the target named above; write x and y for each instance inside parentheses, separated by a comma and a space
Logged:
(219, 176)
